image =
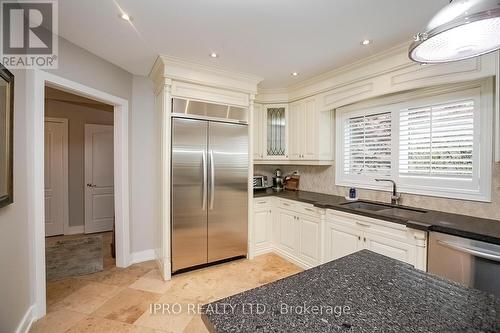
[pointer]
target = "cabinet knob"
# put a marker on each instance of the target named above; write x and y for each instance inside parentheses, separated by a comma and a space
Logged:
(359, 237)
(364, 239)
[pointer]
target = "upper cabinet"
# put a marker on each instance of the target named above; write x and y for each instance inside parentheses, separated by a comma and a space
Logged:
(297, 133)
(275, 132)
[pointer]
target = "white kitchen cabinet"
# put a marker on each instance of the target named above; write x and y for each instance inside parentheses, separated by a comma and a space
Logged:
(262, 223)
(275, 132)
(309, 239)
(390, 247)
(341, 241)
(303, 130)
(287, 222)
(258, 134)
(296, 134)
(299, 232)
(309, 236)
(348, 233)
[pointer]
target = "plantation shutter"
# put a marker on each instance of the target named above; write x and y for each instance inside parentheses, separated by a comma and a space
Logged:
(367, 144)
(437, 140)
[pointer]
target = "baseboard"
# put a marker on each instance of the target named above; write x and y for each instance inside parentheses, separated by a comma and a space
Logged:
(292, 259)
(28, 320)
(263, 250)
(79, 229)
(140, 256)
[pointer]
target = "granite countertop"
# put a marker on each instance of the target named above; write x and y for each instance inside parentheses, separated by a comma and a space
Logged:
(362, 292)
(454, 224)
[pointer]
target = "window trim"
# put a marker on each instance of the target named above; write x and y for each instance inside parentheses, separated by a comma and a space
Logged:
(482, 93)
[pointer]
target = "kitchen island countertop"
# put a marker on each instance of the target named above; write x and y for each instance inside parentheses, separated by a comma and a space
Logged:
(362, 292)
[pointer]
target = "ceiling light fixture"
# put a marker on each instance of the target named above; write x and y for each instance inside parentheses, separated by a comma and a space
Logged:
(295, 74)
(214, 55)
(366, 42)
(125, 17)
(463, 29)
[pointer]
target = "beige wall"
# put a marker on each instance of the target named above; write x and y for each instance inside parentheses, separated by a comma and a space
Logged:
(78, 116)
(322, 179)
(17, 254)
(16, 289)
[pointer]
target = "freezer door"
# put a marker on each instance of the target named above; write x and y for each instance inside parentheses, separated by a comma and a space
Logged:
(189, 193)
(228, 190)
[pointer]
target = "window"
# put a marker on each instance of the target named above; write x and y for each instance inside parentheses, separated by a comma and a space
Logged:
(437, 140)
(434, 142)
(367, 148)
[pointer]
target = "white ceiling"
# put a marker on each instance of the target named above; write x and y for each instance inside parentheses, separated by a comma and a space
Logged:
(268, 38)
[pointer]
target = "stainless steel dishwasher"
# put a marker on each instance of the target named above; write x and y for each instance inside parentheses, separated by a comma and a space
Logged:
(472, 263)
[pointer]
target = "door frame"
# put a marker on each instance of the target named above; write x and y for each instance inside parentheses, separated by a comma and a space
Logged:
(36, 80)
(86, 144)
(67, 230)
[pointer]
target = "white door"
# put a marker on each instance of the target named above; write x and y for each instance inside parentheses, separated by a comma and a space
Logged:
(341, 241)
(99, 182)
(390, 248)
(56, 176)
(309, 130)
(295, 122)
(309, 239)
(287, 230)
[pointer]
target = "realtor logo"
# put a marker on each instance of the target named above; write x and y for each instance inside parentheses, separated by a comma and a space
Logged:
(29, 34)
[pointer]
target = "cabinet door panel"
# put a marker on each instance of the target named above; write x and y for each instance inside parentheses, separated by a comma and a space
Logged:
(310, 130)
(309, 240)
(287, 230)
(257, 123)
(275, 120)
(261, 220)
(341, 241)
(390, 248)
(295, 130)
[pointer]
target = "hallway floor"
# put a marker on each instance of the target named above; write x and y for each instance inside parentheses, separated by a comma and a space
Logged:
(120, 299)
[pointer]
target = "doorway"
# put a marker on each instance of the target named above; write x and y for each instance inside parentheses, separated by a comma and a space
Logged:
(38, 80)
(79, 185)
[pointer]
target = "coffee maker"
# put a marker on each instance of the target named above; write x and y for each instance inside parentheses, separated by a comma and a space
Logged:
(278, 180)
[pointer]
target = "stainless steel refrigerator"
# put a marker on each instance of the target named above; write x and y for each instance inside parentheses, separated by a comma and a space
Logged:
(209, 192)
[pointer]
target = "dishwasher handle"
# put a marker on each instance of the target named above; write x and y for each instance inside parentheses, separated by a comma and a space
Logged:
(472, 250)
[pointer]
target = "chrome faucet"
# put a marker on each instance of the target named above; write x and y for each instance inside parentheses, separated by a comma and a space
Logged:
(395, 195)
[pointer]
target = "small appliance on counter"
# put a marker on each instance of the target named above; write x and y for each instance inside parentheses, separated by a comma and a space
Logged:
(259, 182)
(278, 181)
(292, 182)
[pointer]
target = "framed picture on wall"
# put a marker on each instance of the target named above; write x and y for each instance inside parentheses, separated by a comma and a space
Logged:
(6, 137)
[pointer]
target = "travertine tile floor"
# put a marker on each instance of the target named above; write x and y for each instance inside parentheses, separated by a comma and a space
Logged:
(119, 299)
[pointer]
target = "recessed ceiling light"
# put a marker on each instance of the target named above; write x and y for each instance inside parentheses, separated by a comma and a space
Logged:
(295, 74)
(124, 16)
(214, 55)
(366, 42)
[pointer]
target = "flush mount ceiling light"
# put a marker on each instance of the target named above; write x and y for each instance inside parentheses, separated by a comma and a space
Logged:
(125, 17)
(295, 74)
(214, 55)
(461, 30)
(366, 42)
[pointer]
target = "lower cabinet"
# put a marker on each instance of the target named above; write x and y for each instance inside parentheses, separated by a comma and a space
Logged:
(262, 222)
(309, 236)
(299, 235)
(347, 233)
(340, 241)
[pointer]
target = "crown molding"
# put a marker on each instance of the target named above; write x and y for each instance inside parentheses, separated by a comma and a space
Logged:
(172, 68)
(392, 59)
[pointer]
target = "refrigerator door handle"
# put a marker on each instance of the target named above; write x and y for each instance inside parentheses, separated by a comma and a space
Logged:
(204, 189)
(212, 180)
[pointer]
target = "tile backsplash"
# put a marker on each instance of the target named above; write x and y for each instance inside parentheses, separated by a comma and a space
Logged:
(322, 179)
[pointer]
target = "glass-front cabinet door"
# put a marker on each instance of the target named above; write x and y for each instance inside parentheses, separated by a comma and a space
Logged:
(276, 119)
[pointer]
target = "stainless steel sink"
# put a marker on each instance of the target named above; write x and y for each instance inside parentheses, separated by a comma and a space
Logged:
(384, 209)
(365, 206)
